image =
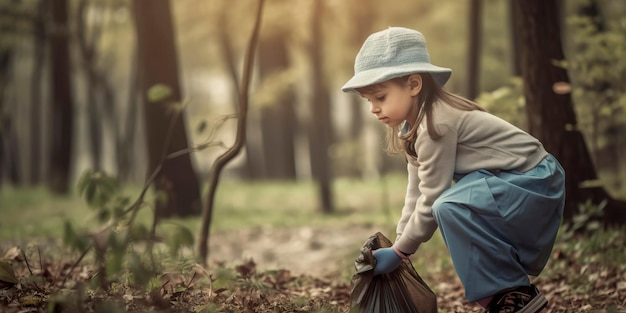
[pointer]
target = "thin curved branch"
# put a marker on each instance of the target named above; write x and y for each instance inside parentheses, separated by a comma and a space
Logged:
(240, 139)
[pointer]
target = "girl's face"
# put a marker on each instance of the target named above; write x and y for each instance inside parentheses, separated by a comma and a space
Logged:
(393, 102)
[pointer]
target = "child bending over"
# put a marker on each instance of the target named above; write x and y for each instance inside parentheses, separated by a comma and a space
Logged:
(500, 218)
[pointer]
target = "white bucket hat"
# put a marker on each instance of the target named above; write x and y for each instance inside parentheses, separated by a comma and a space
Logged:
(393, 52)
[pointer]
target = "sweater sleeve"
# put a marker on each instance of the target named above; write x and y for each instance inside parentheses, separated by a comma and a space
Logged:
(436, 159)
(412, 194)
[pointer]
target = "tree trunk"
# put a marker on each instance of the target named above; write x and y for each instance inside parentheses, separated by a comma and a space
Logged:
(277, 118)
(474, 44)
(127, 127)
(320, 128)
(158, 65)
(515, 15)
(551, 116)
(36, 107)
(362, 13)
(9, 158)
(88, 50)
(62, 110)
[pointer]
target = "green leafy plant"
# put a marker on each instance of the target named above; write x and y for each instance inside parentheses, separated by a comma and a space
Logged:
(112, 243)
(506, 102)
(587, 219)
(592, 242)
(597, 66)
(600, 71)
(124, 249)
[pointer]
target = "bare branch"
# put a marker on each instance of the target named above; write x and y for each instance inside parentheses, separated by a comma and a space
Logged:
(240, 140)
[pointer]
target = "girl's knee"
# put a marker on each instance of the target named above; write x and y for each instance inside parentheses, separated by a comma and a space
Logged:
(442, 210)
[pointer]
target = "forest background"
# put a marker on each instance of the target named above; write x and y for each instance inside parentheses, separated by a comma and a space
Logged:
(97, 93)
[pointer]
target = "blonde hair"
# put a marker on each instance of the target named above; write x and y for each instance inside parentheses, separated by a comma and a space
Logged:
(431, 92)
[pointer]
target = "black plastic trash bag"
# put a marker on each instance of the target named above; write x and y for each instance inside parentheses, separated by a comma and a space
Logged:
(402, 290)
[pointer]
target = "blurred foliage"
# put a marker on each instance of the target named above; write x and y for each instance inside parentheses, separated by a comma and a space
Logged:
(587, 220)
(117, 242)
(97, 187)
(589, 257)
(507, 102)
(587, 243)
(159, 92)
(598, 70)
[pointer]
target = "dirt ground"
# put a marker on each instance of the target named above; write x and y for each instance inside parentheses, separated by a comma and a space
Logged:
(330, 252)
(320, 252)
(302, 251)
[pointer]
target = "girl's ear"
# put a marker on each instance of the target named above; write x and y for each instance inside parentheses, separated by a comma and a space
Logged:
(415, 84)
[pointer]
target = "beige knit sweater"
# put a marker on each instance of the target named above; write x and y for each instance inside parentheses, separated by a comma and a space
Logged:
(471, 140)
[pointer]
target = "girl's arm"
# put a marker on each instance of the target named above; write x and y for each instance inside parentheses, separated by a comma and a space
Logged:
(436, 166)
(412, 194)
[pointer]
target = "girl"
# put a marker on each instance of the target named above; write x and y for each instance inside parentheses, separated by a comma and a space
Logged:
(500, 218)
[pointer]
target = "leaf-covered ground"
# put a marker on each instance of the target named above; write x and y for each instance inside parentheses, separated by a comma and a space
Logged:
(300, 270)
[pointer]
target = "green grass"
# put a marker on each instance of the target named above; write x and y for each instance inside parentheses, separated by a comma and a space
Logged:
(287, 204)
(35, 213)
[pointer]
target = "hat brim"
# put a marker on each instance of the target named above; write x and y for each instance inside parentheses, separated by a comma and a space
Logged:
(378, 75)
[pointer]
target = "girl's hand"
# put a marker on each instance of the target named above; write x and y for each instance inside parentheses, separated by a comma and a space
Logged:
(387, 260)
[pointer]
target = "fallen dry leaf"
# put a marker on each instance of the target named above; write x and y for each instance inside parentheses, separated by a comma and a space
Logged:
(15, 253)
(7, 274)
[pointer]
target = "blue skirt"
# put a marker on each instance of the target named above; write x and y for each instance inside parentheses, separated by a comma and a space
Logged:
(500, 227)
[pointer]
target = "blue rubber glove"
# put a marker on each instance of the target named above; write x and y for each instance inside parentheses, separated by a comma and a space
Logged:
(387, 260)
